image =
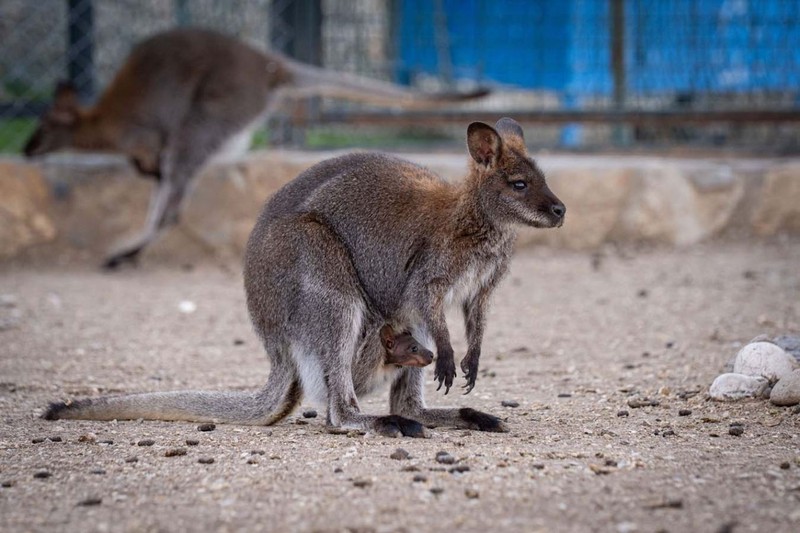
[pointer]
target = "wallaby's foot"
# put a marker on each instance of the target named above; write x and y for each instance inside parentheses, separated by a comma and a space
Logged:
(469, 366)
(445, 371)
(397, 426)
(482, 421)
(129, 257)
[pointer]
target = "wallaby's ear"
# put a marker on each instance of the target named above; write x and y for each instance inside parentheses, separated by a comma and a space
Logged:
(511, 132)
(387, 337)
(484, 143)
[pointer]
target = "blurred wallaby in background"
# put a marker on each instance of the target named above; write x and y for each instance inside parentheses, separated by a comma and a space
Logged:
(187, 95)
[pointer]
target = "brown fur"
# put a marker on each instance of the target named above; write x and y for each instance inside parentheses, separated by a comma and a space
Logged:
(183, 96)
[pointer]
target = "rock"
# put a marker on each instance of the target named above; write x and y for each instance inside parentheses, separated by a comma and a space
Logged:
(146, 442)
(206, 427)
(400, 454)
(509, 403)
(736, 431)
(786, 391)
(90, 501)
(636, 403)
(309, 413)
(175, 452)
(206, 460)
(790, 344)
(24, 206)
(731, 387)
(764, 359)
(684, 412)
(445, 458)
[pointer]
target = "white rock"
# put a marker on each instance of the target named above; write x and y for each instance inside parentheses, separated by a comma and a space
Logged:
(187, 307)
(730, 387)
(764, 359)
(787, 390)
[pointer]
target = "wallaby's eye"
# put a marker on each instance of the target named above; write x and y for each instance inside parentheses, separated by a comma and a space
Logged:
(414, 348)
(519, 185)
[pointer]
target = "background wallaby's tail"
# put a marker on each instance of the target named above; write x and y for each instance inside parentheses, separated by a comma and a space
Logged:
(308, 80)
(264, 407)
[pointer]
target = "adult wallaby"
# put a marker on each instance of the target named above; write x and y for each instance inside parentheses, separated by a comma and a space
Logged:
(360, 236)
(186, 95)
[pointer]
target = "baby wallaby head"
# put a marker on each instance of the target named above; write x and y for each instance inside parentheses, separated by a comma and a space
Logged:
(510, 186)
(403, 349)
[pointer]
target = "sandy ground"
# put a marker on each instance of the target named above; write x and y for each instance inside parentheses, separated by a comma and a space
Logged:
(572, 338)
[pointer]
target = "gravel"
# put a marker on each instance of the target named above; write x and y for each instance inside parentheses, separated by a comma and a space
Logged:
(577, 323)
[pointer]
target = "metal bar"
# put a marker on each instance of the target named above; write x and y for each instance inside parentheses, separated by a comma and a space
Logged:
(80, 47)
(427, 118)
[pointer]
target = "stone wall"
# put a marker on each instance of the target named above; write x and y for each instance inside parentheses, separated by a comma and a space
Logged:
(76, 207)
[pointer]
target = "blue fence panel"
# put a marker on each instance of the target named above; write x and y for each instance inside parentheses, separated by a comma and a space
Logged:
(671, 46)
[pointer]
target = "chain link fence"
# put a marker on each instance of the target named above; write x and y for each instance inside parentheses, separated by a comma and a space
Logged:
(590, 72)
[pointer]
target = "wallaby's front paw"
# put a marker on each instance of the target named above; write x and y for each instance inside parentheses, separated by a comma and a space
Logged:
(445, 371)
(482, 421)
(469, 366)
(397, 426)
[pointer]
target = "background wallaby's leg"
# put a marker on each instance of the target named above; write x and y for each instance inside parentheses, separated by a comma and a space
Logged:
(187, 151)
(407, 399)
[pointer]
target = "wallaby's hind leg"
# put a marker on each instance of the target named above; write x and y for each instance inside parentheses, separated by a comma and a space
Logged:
(333, 303)
(407, 399)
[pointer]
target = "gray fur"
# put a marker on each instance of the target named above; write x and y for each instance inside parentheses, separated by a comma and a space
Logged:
(351, 243)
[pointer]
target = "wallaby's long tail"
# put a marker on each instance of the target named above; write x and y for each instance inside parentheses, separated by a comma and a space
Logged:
(308, 80)
(264, 407)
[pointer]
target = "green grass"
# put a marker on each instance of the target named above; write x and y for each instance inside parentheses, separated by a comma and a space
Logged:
(14, 132)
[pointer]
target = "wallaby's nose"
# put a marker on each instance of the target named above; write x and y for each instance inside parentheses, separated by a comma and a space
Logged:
(558, 210)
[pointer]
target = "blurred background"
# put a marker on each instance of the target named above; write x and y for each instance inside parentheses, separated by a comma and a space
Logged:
(665, 75)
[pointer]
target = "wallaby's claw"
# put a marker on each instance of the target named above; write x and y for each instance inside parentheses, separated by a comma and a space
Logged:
(445, 372)
(469, 366)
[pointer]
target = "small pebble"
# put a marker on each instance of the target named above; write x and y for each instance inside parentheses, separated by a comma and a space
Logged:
(54, 439)
(668, 433)
(310, 413)
(564, 395)
(684, 412)
(258, 452)
(132, 460)
(399, 454)
(338, 470)
(90, 501)
(458, 469)
(362, 482)
(175, 452)
(669, 344)
(445, 458)
(410, 468)
(636, 403)
(192, 442)
(91, 439)
(472, 494)
(437, 490)
(786, 465)
(622, 413)
(509, 403)
(206, 427)
(106, 441)
(206, 460)
(44, 474)
(146, 442)
(252, 461)
(38, 440)
(98, 472)
(736, 430)
(419, 478)
(538, 466)
(8, 484)
(238, 342)
(300, 422)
